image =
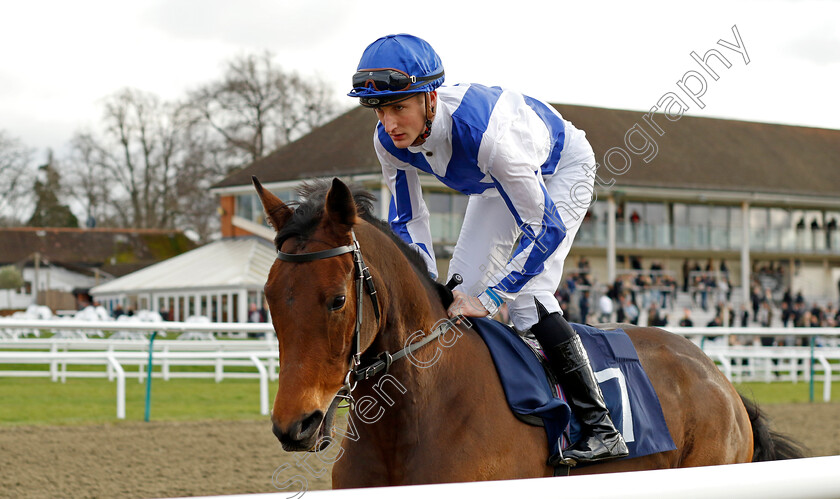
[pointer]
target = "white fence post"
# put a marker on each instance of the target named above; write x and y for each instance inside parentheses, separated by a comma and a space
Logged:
(263, 385)
(112, 361)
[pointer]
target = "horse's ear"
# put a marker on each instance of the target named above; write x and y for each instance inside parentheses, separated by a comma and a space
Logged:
(340, 207)
(276, 210)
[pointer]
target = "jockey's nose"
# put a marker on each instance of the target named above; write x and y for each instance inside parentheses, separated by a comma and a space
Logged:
(301, 434)
(389, 125)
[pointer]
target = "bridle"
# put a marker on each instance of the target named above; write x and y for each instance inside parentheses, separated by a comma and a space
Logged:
(364, 285)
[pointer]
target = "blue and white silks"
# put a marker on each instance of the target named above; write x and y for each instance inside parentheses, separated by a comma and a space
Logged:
(484, 139)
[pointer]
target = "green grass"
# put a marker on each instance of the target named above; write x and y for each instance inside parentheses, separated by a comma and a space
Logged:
(82, 401)
(785, 392)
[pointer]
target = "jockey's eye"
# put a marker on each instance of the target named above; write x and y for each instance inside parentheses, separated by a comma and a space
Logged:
(337, 302)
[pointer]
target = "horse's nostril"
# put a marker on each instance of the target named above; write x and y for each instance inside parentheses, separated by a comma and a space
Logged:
(301, 434)
(310, 424)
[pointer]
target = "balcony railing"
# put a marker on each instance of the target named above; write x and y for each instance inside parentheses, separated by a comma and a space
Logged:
(666, 236)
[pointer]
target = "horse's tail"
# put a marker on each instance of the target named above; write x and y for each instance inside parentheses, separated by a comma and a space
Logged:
(769, 445)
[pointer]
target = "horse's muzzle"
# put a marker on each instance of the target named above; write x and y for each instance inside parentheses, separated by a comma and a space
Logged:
(302, 434)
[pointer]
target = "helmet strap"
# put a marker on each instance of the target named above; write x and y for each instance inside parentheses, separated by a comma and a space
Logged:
(430, 117)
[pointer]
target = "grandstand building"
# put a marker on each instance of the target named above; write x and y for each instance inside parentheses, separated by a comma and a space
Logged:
(748, 201)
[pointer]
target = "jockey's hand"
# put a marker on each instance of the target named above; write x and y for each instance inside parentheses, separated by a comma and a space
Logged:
(466, 305)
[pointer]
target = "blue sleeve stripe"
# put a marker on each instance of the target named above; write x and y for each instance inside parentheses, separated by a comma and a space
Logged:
(551, 235)
(556, 129)
(495, 297)
(399, 212)
(424, 248)
(526, 241)
(471, 121)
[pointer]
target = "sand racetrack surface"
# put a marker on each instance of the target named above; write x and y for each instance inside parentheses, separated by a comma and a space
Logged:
(173, 459)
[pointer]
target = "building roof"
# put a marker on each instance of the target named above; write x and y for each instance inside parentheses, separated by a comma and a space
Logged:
(693, 153)
(228, 263)
(114, 251)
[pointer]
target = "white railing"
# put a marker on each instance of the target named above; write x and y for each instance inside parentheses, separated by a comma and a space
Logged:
(810, 478)
(115, 355)
(180, 327)
(738, 362)
(116, 361)
(818, 360)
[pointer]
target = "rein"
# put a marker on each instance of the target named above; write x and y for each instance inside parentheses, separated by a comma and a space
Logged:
(364, 282)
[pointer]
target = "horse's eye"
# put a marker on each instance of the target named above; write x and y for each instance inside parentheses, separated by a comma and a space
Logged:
(338, 302)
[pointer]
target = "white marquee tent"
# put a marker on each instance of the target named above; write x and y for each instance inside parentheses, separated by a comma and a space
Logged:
(219, 281)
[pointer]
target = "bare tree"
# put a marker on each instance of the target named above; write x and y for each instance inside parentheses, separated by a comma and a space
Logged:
(256, 108)
(90, 190)
(128, 173)
(152, 163)
(15, 177)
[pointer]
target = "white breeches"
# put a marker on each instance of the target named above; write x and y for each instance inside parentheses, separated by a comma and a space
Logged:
(489, 234)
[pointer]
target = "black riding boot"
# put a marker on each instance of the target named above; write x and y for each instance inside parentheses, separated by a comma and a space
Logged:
(569, 361)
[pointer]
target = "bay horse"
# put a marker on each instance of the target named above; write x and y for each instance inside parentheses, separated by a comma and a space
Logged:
(442, 416)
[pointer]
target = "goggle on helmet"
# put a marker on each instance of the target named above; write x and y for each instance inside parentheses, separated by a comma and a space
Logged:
(395, 67)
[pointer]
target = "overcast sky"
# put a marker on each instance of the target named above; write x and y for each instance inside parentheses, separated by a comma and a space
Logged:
(60, 58)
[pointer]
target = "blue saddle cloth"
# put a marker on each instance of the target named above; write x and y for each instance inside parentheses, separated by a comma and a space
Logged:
(633, 404)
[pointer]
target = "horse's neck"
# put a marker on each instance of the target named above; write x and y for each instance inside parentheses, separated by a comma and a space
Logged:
(425, 384)
(409, 304)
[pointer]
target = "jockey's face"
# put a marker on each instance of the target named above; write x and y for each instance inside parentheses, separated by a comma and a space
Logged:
(404, 121)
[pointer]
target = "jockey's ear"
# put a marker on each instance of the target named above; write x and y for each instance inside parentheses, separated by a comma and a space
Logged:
(340, 208)
(275, 209)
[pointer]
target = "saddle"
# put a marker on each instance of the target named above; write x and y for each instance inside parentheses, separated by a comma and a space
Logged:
(535, 397)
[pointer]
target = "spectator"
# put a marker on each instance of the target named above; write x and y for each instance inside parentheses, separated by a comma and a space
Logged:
(716, 322)
(745, 316)
(118, 311)
(635, 219)
(255, 314)
(755, 299)
(765, 314)
(704, 292)
(724, 291)
(631, 312)
(788, 298)
(583, 303)
(605, 307)
(655, 318)
(686, 319)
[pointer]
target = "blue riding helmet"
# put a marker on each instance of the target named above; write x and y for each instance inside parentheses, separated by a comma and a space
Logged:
(393, 68)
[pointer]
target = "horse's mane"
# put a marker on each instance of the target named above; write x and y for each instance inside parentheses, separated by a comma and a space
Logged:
(309, 209)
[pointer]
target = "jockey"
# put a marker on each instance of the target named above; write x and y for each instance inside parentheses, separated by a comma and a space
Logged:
(529, 175)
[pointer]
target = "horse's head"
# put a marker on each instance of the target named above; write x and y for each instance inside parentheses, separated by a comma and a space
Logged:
(312, 296)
